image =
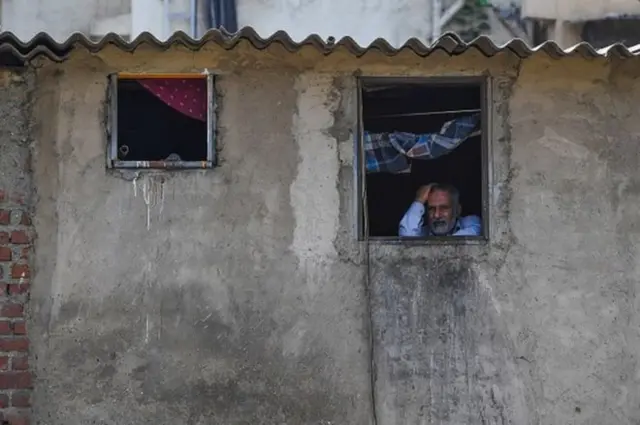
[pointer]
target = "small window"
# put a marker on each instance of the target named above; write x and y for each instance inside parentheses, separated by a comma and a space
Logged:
(422, 159)
(161, 121)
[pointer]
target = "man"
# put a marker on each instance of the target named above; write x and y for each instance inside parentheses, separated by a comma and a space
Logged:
(443, 214)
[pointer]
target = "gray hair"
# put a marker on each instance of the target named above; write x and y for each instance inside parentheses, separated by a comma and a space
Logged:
(454, 194)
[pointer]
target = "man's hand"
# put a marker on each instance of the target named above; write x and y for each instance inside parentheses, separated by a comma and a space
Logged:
(423, 193)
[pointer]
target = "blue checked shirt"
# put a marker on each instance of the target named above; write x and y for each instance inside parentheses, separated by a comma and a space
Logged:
(390, 152)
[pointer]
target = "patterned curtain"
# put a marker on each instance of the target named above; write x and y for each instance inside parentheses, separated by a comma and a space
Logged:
(187, 96)
(391, 152)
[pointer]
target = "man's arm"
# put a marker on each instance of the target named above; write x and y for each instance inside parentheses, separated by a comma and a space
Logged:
(470, 226)
(412, 224)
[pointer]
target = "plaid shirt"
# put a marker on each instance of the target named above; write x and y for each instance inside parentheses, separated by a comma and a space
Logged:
(390, 152)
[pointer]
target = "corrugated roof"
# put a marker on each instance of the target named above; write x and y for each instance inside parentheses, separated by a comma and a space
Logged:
(43, 45)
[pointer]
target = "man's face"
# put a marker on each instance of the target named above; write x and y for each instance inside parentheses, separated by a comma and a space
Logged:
(441, 212)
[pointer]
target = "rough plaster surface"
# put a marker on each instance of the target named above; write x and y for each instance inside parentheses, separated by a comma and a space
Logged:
(15, 124)
(540, 325)
(244, 299)
(215, 313)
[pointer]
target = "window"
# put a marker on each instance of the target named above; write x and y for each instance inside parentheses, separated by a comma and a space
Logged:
(161, 121)
(418, 131)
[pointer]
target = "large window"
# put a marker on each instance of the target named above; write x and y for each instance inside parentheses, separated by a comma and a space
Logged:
(423, 149)
(161, 121)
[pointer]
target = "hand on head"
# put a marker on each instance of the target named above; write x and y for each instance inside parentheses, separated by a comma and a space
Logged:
(442, 206)
(423, 193)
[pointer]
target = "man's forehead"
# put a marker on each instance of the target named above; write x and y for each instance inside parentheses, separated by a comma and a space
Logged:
(439, 196)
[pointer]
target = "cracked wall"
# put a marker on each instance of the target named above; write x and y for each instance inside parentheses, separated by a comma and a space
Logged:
(538, 326)
(247, 299)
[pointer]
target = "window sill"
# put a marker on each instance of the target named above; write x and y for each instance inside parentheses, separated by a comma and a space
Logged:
(162, 165)
(434, 240)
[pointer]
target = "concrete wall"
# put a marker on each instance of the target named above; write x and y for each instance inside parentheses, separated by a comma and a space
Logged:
(148, 15)
(579, 10)
(363, 20)
(246, 299)
(15, 243)
(541, 325)
(60, 18)
(240, 303)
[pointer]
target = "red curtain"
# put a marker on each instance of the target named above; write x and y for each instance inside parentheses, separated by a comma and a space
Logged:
(187, 96)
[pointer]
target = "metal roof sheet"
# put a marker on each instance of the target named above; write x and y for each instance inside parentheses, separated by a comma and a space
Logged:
(43, 45)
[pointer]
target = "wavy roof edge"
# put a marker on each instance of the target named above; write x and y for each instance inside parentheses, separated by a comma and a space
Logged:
(43, 44)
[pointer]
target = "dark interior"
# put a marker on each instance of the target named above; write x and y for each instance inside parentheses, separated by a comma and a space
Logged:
(389, 195)
(152, 130)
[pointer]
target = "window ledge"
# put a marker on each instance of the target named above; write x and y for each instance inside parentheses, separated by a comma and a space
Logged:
(163, 165)
(443, 240)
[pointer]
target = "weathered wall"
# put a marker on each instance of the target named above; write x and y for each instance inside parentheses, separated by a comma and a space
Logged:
(363, 20)
(58, 18)
(245, 299)
(235, 304)
(579, 10)
(540, 325)
(367, 20)
(15, 244)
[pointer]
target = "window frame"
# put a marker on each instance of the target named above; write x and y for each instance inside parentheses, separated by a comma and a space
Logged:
(112, 124)
(362, 229)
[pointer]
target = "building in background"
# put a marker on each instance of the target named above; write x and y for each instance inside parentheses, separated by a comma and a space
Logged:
(364, 20)
(598, 22)
(128, 18)
(244, 294)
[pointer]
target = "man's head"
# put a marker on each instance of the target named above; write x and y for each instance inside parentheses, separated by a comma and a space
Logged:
(444, 209)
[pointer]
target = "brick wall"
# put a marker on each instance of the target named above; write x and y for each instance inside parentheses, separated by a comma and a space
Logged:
(15, 253)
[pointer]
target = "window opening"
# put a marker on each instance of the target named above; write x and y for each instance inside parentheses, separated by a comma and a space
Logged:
(161, 121)
(415, 132)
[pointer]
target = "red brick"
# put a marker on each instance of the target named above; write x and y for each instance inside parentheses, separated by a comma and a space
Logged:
(15, 380)
(4, 238)
(21, 399)
(16, 418)
(19, 271)
(20, 363)
(19, 237)
(17, 289)
(12, 310)
(5, 327)
(5, 217)
(14, 344)
(3, 195)
(5, 253)
(4, 362)
(18, 198)
(25, 220)
(20, 328)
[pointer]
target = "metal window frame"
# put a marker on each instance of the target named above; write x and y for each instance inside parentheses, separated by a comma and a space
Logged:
(112, 125)
(484, 83)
